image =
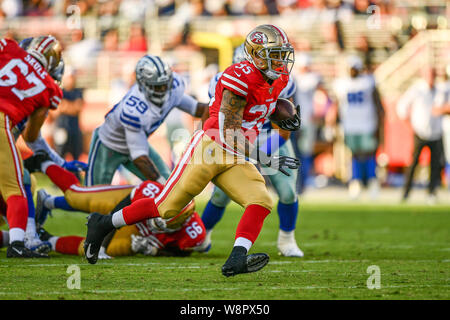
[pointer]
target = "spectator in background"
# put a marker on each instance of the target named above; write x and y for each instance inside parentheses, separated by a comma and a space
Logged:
(304, 139)
(416, 105)
(110, 40)
(137, 41)
(364, 48)
(37, 8)
(82, 51)
(68, 138)
(362, 116)
(442, 108)
(11, 8)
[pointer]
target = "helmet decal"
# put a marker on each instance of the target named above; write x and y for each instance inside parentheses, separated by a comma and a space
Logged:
(258, 37)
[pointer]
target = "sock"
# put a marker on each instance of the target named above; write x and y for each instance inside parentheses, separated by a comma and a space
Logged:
(61, 203)
(4, 238)
(118, 220)
(305, 167)
(356, 169)
(59, 176)
(287, 214)
(53, 241)
(251, 222)
(31, 209)
(243, 242)
(68, 245)
(17, 213)
(31, 223)
(212, 215)
(138, 211)
(31, 227)
(371, 166)
(16, 234)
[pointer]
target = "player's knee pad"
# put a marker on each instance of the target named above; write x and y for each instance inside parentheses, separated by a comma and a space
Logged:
(219, 198)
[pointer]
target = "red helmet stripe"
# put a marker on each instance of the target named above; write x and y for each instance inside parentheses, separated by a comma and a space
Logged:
(283, 35)
(45, 45)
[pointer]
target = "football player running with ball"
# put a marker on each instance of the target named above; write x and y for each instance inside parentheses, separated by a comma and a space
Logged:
(285, 185)
(245, 96)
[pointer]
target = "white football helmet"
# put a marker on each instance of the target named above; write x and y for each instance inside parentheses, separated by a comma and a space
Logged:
(239, 54)
(154, 78)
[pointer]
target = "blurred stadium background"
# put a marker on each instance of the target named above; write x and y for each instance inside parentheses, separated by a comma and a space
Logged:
(104, 39)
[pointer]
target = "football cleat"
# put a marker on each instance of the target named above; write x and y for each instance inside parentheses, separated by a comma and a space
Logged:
(239, 262)
(374, 188)
(43, 234)
(41, 210)
(354, 189)
(33, 243)
(17, 249)
(287, 245)
(98, 226)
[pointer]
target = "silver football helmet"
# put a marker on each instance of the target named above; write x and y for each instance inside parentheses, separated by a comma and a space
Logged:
(239, 54)
(154, 78)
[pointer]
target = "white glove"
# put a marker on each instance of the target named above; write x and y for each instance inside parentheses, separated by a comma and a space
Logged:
(102, 254)
(145, 245)
(157, 225)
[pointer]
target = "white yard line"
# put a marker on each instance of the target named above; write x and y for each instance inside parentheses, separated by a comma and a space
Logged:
(75, 292)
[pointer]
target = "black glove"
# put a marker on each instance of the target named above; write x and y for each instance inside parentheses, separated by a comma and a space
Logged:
(279, 162)
(291, 124)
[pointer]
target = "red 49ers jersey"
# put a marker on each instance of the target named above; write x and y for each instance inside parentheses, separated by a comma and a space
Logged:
(24, 83)
(245, 80)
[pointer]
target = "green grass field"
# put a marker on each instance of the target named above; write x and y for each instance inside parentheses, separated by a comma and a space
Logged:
(410, 245)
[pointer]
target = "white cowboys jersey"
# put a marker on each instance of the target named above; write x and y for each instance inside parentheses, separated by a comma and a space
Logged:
(134, 113)
(357, 110)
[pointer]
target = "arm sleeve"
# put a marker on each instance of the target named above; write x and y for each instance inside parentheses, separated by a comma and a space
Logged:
(188, 104)
(41, 145)
(137, 143)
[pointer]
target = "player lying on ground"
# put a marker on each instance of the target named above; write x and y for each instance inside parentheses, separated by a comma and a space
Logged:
(177, 236)
(273, 141)
(245, 97)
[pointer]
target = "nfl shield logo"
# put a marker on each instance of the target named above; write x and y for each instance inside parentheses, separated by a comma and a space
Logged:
(270, 90)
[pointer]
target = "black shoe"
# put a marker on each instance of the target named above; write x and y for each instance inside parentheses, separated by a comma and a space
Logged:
(17, 249)
(98, 227)
(240, 262)
(33, 163)
(43, 234)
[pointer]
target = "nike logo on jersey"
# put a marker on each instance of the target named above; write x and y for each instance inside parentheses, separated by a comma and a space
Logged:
(88, 252)
(237, 74)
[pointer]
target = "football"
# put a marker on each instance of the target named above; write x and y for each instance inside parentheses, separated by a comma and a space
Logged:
(284, 110)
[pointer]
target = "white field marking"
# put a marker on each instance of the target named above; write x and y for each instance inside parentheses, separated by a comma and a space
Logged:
(204, 265)
(216, 289)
